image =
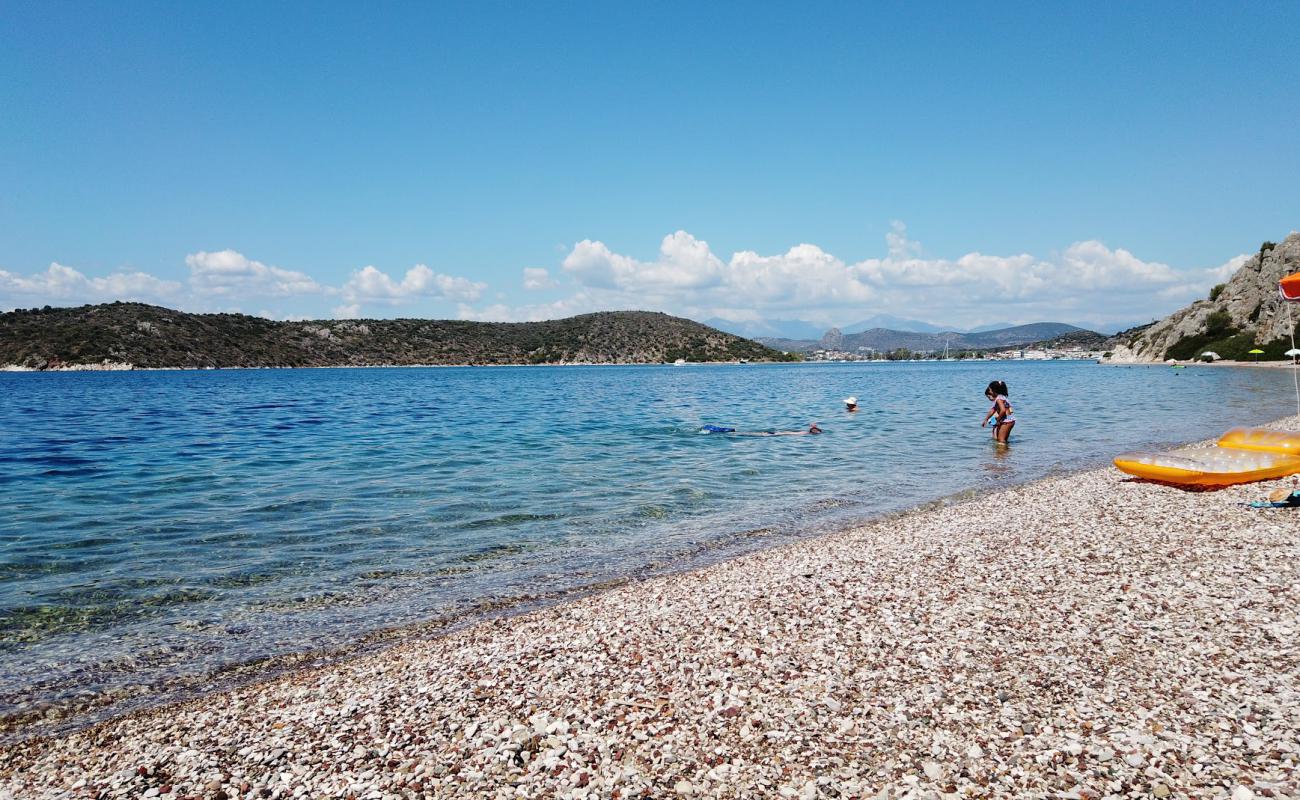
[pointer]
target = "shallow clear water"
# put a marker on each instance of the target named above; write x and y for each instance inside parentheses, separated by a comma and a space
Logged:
(165, 524)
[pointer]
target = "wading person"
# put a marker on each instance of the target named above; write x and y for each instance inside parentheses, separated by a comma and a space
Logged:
(1001, 413)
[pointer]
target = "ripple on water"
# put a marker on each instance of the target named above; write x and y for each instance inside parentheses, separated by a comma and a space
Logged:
(506, 521)
(72, 612)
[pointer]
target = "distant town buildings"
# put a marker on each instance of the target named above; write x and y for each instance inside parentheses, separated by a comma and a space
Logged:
(1010, 354)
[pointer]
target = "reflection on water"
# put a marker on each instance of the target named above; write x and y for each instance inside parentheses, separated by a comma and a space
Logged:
(1000, 465)
(171, 523)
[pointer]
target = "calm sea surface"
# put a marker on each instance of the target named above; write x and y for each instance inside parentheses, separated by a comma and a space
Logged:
(162, 526)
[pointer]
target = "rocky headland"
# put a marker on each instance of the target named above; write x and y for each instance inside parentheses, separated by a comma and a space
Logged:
(1243, 314)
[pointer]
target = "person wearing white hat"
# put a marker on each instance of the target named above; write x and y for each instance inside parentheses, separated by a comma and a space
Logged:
(851, 404)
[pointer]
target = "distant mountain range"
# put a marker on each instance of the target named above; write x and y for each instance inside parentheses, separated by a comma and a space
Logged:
(798, 329)
(771, 328)
(151, 336)
(884, 339)
(802, 330)
(890, 322)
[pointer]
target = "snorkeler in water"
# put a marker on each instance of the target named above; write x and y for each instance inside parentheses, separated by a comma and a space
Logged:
(812, 430)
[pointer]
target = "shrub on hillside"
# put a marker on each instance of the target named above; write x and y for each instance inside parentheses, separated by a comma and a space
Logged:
(1231, 344)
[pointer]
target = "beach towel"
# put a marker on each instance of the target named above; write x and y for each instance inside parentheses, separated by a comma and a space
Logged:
(1282, 498)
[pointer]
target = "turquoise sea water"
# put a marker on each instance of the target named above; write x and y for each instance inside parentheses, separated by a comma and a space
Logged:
(165, 525)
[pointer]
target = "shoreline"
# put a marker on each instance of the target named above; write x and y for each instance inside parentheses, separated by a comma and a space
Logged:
(125, 367)
(1222, 363)
(851, 658)
(53, 719)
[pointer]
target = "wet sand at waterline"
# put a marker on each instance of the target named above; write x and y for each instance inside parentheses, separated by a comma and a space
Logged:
(1079, 636)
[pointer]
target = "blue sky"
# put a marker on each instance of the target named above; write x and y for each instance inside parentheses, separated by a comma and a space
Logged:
(829, 162)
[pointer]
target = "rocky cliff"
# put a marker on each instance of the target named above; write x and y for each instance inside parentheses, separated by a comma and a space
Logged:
(150, 336)
(1240, 315)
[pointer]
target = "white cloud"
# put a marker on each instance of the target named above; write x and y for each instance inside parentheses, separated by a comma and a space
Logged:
(899, 245)
(1194, 284)
(803, 277)
(371, 284)
(230, 273)
(537, 278)
(1087, 279)
(1228, 268)
(279, 316)
(60, 283)
(684, 263)
(221, 280)
(581, 303)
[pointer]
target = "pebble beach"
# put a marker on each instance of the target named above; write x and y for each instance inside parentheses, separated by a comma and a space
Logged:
(1082, 636)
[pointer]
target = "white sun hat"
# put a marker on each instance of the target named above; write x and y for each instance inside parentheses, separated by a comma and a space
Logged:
(850, 401)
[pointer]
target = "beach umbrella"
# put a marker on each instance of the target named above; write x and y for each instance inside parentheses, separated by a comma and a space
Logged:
(1293, 352)
(1289, 288)
(1256, 353)
(1210, 354)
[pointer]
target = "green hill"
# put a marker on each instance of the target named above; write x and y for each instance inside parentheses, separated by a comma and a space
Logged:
(151, 336)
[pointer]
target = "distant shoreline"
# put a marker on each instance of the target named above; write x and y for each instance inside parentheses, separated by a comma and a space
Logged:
(1220, 363)
(119, 367)
(133, 368)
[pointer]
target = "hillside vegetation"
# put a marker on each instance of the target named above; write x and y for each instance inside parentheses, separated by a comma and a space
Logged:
(1243, 314)
(151, 336)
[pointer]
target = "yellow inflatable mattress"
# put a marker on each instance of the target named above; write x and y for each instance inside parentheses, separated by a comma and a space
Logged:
(1262, 439)
(1242, 455)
